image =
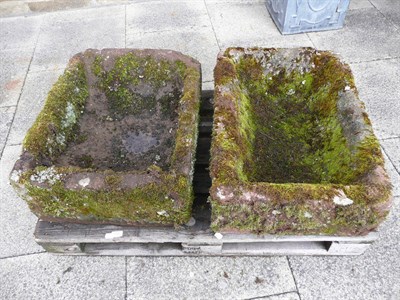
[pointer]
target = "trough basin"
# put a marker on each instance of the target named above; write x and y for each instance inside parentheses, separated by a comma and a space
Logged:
(115, 142)
(293, 150)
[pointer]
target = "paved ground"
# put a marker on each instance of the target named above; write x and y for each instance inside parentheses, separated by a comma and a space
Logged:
(35, 49)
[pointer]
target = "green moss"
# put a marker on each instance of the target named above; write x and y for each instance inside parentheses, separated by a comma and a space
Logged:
(85, 161)
(113, 181)
(288, 128)
(145, 204)
(300, 217)
(168, 198)
(186, 135)
(278, 136)
(56, 124)
(130, 70)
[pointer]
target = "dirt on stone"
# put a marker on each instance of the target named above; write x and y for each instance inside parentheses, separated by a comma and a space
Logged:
(125, 141)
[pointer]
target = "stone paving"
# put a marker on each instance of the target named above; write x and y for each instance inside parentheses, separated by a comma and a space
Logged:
(34, 51)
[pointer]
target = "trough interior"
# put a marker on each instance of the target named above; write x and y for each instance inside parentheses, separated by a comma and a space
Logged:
(289, 121)
(130, 119)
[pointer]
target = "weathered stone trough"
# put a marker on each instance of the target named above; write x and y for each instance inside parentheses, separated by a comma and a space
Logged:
(115, 141)
(293, 151)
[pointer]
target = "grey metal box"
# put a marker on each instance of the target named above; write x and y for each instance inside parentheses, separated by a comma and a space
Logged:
(295, 16)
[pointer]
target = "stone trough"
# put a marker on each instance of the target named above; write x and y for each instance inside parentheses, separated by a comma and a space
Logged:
(293, 151)
(115, 141)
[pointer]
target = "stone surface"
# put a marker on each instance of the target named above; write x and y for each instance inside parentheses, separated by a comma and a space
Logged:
(382, 38)
(360, 4)
(44, 276)
(154, 16)
(374, 275)
(200, 43)
(16, 221)
(378, 86)
(392, 171)
(284, 296)
(268, 101)
(14, 66)
(390, 8)
(248, 24)
(12, 8)
(6, 115)
(208, 278)
(120, 124)
(392, 149)
(37, 85)
(19, 33)
(371, 276)
(207, 85)
(67, 33)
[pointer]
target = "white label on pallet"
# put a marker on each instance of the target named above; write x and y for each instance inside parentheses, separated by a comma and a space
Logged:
(114, 234)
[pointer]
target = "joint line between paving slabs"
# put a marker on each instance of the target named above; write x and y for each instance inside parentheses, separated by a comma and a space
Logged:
(212, 25)
(8, 106)
(373, 60)
(312, 43)
(389, 19)
(22, 89)
(22, 255)
(273, 295)
(391, 161)
(126, 278)
(390, 138)
(294, 277)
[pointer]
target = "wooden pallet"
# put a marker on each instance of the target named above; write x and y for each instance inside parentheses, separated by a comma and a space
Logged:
(196, 240)
(80, 239)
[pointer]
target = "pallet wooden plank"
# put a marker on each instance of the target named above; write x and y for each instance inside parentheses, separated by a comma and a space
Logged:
(67, 233)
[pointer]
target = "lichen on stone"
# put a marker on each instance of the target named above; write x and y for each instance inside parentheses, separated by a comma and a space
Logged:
(64, 175)
(291, 136)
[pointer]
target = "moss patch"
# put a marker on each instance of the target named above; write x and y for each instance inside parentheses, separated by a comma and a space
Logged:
(131, 70)
(284, 151)
(116, 140)
(151, 203)
(56, 124)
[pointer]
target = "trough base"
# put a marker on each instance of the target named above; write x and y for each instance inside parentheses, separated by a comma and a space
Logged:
(196, 240)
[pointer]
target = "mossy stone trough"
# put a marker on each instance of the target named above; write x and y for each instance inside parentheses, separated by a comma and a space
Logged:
(293, 151)
(115, 141)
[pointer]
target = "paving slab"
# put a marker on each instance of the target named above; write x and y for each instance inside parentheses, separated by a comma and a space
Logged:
(19, 32)
(200, 43)
(285, 296)
(13, 8)
(14, 66)
(373, 276)
(45, 276)
(390, 168)
(6, 115)
(390, 8)
(366, 36)
(392, 149)
(166, 15)
(64, 34)
(378, 85)
(208, 277)
(207, 85)
(37, 86)
(360, 4)
(17, 223)
(248, 25)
